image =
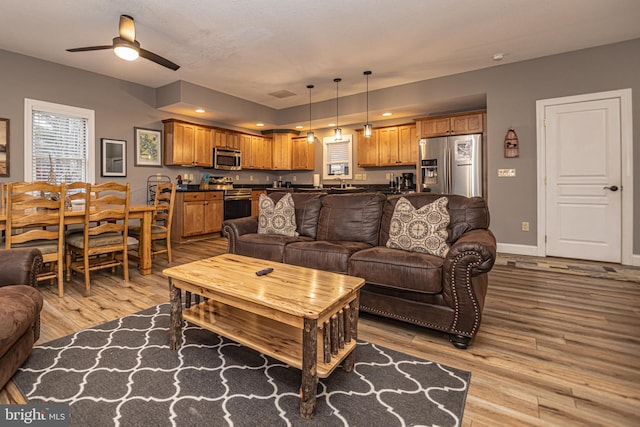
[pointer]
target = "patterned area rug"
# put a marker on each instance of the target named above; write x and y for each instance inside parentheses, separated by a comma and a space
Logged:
(123, 373)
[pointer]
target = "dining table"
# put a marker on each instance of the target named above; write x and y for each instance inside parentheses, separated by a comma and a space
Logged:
(137, 211)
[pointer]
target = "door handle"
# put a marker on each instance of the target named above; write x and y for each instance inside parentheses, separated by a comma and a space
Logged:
(612, 188)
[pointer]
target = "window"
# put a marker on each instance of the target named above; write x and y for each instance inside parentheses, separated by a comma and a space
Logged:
(58, 137)
(337, 157)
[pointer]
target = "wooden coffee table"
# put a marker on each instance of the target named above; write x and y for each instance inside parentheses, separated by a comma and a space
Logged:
(303, 317)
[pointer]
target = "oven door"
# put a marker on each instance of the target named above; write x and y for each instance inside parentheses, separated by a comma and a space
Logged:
(237, 207)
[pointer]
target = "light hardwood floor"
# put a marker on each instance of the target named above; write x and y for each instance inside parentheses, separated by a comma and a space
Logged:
(553, 349)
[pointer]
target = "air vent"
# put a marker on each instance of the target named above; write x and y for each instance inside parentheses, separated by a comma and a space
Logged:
(282, 94)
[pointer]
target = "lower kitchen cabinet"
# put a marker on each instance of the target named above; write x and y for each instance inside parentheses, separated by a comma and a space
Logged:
(255, 198)
(197, 215)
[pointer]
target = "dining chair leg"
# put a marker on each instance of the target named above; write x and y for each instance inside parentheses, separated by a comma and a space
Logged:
(60, 267)
(169, 250)
(87, 279)
(125, 264)
(68, 265)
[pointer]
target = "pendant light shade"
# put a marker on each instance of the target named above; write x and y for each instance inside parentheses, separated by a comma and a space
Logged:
(368, 127)
(310, 136)
(338, 131)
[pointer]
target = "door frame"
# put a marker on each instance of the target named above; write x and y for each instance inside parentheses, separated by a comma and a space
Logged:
(626, 153)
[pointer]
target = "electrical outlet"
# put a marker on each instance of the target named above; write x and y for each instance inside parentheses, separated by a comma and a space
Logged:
(358, 177)
(250, 177)
(267, 178)
(237, 177)
(364, 176)
(387, 177)
(525, 225)
(295, 178)
(506, 172)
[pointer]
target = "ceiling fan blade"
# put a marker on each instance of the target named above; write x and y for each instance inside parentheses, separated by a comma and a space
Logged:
(158, 59)
(127, 28)
(85, 49)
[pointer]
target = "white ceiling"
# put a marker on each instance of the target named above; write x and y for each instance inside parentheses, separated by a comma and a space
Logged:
(251, 48)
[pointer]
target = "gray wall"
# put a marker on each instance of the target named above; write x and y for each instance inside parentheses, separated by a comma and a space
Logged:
(511, 92)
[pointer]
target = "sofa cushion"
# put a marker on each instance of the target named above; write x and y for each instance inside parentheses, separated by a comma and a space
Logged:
(323, 255)
(398, 269)
(307, 206)
(420, 230)
(277, 217)
(351, 217)
(265, 246)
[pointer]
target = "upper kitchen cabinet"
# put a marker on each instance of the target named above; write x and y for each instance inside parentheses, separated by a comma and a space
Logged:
(454, 124)
(187, 144)
(281, 151)
(388, 146)
(303, 154)
(367, 149)
(256, 152)
(223, 138)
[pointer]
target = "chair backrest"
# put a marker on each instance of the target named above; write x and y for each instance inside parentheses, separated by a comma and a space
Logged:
(106, 209)
(165, 197)
(31, 208)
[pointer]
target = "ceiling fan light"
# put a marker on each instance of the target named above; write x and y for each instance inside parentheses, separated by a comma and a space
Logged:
(368, 130)
(127, 53)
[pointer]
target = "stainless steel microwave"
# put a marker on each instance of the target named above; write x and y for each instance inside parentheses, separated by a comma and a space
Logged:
(226, 159)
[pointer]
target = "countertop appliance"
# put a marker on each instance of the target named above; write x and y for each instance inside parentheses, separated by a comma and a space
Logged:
(451, 165)
(227, 159)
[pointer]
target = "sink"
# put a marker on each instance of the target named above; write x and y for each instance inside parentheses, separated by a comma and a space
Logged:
(349, 189)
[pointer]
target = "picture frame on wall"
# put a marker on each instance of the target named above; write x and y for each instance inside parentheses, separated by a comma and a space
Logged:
(148, 147)
(114, 157)
(4, 147)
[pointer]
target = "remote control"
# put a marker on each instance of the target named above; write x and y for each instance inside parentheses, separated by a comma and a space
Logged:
(263, 272)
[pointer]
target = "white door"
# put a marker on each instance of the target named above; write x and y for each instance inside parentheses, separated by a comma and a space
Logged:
(584, 182)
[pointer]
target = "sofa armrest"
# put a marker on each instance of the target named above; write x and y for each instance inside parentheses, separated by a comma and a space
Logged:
(20, 266)
(465, 279)
(234, 228)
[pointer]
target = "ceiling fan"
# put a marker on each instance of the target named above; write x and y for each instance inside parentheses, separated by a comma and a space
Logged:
(127, 47)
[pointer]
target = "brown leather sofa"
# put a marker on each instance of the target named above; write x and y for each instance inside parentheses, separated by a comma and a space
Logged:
(20, 306)
(347, 234)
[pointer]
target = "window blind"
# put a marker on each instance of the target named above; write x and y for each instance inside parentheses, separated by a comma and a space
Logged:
(59, 141)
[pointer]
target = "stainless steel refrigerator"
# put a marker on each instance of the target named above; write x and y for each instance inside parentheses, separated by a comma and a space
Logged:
(451, 165)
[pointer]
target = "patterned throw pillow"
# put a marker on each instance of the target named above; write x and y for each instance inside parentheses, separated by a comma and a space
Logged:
(277, 218)
(420, 230)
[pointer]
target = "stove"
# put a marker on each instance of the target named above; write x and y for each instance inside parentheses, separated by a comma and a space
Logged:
(237, 201)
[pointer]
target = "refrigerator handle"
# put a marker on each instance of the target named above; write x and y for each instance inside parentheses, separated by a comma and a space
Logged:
(447, 169)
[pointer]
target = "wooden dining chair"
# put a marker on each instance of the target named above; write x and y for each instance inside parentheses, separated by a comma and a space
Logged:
(161, 224)
(102, 242)
(35, 217)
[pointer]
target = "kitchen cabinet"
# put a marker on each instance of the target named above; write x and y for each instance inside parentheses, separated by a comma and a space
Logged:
(260, 153)
(282, 151)
(256, 152)
(303, 155)
(388, 146)
(197, 215)
(226, 139)
(454, 124)
(367, 149)
(187, 144)
(255, 198)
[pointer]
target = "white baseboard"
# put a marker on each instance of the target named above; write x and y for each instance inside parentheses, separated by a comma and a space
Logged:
(509, 248)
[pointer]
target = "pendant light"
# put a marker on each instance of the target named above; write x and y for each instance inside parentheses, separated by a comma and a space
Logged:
(368, 128)
(310, 136)
(338, 131)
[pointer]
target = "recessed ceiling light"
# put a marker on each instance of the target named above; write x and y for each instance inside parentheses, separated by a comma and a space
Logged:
(199, 110)
(331, 124)
(498, 56)
(386, 114)
(259, 124)
(299, 127)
